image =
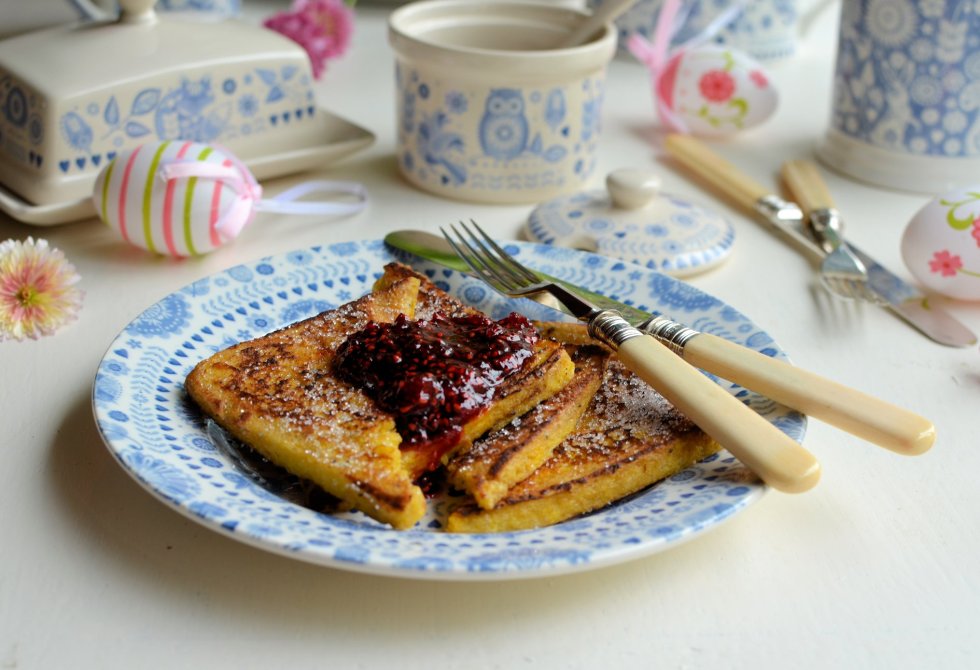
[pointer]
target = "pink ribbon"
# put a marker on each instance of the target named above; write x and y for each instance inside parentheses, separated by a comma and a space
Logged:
(663, 61)
(248, 193)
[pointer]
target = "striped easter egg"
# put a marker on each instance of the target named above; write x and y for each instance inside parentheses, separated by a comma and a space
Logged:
(176, 216)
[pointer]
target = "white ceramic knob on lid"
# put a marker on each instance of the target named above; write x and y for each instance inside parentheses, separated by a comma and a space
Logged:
(631, 188)
(634, 221)
(137, 11)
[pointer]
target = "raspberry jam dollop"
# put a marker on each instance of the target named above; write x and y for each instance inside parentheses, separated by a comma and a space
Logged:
(435, 374)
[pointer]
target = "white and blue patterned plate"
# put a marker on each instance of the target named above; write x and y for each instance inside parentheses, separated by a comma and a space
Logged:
(159, 437)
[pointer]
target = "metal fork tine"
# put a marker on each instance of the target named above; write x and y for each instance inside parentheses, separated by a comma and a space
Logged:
(513, 265)
(501, 268)
(870, 296)
(851, 288)
(844, 274)
(492, 264)
(487, 259)
(465, 252)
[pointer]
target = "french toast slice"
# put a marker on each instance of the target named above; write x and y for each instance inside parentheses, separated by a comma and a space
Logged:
(567, 332)
(504, 457)
(431, 298)
(627, 439)
(550, 369)
(278, 395)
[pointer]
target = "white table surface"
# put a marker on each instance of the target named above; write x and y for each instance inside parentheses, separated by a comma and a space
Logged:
(875, 568)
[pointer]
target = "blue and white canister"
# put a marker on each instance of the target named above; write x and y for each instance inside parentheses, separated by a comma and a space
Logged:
(906, 94)
(488, 108)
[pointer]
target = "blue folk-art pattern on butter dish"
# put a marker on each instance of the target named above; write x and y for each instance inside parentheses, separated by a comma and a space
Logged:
(908, 76)
(161, 439)
(195, 107)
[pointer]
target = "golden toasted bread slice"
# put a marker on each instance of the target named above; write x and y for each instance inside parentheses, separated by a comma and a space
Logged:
(567, 332)
(279, 395)
(547, 373)
(628, 438)
(502, 458)
(431, 298)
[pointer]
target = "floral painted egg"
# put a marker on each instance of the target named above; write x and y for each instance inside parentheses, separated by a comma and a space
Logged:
(176, 198)
(714, 91)
(941, 244)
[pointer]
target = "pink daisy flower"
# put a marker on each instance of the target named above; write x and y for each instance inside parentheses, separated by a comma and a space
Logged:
(37, 289)
(322, 27)
(945, 263)
(976, 231)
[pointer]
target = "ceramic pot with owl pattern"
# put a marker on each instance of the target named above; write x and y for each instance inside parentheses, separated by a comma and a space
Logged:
(488, 109)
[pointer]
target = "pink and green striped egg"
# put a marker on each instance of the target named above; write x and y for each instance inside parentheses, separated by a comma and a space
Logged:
(176, 217)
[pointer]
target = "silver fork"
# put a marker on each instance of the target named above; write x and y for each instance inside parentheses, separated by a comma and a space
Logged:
(841, 272)
(771, 454)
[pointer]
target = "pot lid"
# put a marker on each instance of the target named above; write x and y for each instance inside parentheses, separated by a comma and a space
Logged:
(634, 221)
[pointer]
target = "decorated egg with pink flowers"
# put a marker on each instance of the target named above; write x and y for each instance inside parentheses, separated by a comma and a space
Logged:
(714, 91)
(941, 244)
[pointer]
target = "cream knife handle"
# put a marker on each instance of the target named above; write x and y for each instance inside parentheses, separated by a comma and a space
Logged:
(775, 457)
(806, 185)
(718, 172)
(862, 415)
(742, 190)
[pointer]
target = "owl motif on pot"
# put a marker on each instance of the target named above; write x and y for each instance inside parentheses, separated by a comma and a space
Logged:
(503, 128)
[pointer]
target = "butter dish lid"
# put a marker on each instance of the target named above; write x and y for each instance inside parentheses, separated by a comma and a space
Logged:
(634, 221)
(73, 58)
(74, 96)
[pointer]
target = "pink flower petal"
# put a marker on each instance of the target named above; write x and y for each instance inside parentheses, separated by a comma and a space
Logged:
(322, 27)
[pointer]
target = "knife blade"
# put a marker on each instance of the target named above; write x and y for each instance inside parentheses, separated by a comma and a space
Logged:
(805, 182)
(914, 306)
(787, 218)
(435, 248)
(869, 418)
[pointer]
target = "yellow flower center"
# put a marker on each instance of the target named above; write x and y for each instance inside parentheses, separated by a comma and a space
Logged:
(27, 296)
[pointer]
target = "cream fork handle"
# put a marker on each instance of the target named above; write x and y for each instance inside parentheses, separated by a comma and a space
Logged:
(806, 185)
(864, 416)
(774, 456)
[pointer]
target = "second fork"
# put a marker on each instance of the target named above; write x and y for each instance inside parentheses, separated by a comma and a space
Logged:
(841, 272)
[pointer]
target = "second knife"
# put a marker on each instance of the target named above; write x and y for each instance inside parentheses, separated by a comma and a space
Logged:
(786, 218)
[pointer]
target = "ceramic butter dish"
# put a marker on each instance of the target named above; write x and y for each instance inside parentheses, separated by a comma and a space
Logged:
(73, 96)
(634, 221)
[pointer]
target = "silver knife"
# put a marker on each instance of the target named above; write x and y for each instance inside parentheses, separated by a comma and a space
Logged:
(804, 181)
(862, 415)
(901, 298)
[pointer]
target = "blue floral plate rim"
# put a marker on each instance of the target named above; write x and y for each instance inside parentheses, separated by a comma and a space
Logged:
(159, 438)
